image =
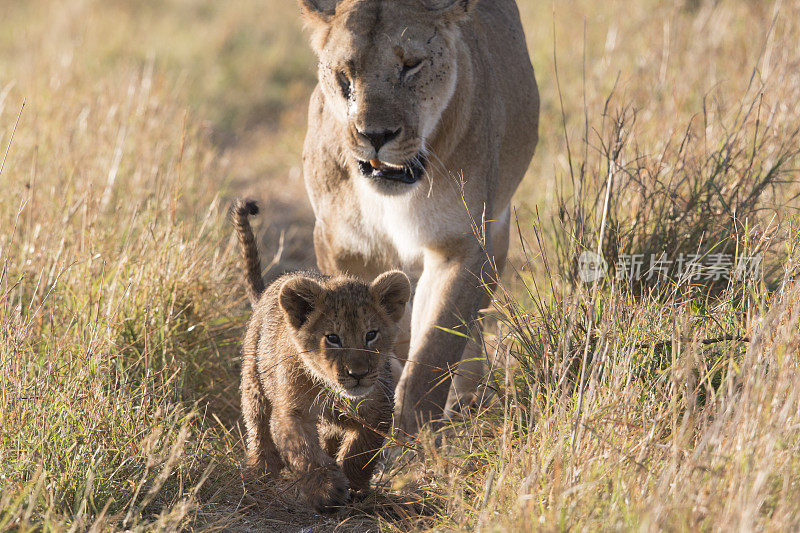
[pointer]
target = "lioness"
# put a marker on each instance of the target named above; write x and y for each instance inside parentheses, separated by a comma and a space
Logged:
(316, 372)
(417, 103)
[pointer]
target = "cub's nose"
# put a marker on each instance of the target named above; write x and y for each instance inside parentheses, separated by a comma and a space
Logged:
(357, 375)
(378, 139)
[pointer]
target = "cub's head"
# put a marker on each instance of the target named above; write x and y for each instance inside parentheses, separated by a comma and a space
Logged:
(387, 71)
(345, 329)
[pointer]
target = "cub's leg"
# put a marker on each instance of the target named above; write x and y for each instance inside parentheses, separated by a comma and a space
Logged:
(320, 479)
(359, 455)
(261, 452)
(330, 436)
(362, 442)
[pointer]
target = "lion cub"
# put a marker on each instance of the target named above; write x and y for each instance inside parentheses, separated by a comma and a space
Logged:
(317, 389)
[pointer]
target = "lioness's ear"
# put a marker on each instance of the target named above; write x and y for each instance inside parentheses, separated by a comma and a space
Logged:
(298, 297)
(392, 291)
(318, 11)
(318, 15)
(451, 10)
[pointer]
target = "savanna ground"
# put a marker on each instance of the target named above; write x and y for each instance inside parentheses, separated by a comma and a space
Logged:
(667, 126)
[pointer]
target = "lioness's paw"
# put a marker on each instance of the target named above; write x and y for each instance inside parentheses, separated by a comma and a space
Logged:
(327, 490)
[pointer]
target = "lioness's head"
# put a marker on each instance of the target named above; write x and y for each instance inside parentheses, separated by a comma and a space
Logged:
(345, 329)
(387, 71)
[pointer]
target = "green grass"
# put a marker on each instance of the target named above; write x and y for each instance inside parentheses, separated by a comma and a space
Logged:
(617, 406)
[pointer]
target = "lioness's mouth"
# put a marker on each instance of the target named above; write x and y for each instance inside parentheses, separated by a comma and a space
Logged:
(409, 173)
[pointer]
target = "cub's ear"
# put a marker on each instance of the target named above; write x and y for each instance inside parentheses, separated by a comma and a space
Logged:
(318, 11)
(392, 291)
(451, 10)
(298, 297)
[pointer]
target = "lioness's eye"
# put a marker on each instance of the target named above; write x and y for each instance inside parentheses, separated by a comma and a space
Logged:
(334, 339)
(410, 66)
(344, 84)
(372, 335)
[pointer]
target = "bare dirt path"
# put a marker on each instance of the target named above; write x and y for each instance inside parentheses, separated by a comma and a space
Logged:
(265, 166)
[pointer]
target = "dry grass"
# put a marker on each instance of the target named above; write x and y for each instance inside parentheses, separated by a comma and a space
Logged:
(618, 406)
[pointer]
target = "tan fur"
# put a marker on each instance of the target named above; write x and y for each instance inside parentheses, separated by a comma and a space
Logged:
(452, 82)
(319, 408)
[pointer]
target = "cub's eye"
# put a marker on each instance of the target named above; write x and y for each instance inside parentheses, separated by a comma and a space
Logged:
(372, 335)
(410, 66)
(334, 339)
(344, 84)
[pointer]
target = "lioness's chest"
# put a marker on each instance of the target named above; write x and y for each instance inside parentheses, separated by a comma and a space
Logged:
(408, 224)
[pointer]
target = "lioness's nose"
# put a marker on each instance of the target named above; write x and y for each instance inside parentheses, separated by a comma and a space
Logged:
(379, 138)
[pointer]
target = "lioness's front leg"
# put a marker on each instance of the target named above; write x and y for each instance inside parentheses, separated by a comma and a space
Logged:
(319, 477)
(448, 297)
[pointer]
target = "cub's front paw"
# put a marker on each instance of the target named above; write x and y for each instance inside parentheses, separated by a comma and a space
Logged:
(326, 489)
(257, 466)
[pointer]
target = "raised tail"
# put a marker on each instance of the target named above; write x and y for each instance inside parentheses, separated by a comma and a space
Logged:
(251, 265)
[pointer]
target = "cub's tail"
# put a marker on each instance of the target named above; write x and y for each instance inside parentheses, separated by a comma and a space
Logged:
(251, 265)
